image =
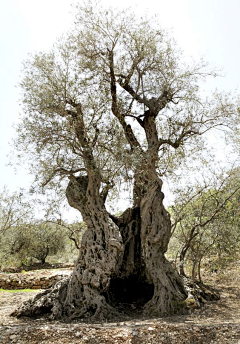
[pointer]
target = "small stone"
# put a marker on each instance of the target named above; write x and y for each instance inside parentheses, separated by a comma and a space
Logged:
(150, 329)
(13, 336)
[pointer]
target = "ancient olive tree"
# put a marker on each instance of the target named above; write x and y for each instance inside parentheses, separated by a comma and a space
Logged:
(112, 103)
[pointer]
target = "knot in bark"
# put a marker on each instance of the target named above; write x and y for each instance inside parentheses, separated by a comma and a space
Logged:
(76, 190)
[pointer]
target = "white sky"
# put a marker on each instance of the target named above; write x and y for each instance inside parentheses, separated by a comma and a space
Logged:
(202, 28)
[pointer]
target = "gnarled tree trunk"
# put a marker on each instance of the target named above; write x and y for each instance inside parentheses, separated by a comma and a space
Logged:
(121, 260)
(100, 254)
(155, 235)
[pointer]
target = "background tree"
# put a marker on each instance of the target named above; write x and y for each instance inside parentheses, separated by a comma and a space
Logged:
(45, 239)
(37, 240)
(16, 212)
(23, 237)
(15, 209)
(206, 221)
(115, 103)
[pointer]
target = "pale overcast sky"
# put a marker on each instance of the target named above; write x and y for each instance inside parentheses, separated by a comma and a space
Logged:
(202, 28)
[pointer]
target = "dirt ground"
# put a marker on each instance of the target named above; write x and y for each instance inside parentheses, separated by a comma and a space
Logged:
(217, 322)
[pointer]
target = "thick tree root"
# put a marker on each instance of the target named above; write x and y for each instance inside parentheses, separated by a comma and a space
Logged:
(49, 301)
(52, 302)
(198, 293)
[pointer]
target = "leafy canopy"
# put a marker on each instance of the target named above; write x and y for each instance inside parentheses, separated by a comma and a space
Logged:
(89, 97)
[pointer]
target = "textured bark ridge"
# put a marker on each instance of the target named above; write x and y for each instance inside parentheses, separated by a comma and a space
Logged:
(100, 254)
(169, 291)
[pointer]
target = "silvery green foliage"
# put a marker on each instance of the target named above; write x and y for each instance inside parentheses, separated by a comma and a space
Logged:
(148, 75)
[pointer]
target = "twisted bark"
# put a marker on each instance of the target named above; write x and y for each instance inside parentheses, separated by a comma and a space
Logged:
(121, 260)
(169, 290)
(100, 254)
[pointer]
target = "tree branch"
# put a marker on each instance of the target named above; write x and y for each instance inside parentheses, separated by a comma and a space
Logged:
(62, 171)
(132, 140)
(175, 144)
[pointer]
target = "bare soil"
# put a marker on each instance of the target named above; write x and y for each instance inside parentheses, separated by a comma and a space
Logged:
(216, 322)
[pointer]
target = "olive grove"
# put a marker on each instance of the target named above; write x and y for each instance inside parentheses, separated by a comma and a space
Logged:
(112, 104)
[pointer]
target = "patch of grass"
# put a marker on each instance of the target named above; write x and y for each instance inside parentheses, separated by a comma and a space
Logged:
(17, 290)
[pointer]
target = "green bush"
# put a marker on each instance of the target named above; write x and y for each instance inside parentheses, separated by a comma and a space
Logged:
(23, 244)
